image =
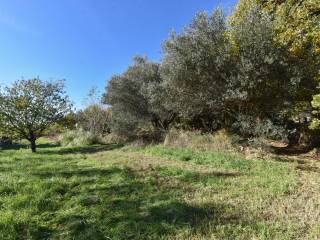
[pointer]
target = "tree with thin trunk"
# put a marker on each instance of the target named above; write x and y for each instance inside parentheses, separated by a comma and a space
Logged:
(29, 107)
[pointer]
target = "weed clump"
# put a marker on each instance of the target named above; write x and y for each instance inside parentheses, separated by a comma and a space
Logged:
(80, 137)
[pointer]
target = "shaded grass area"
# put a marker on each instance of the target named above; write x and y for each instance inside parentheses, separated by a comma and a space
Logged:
(106, 192)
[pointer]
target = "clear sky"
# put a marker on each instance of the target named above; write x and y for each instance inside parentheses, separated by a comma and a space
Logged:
(87, 41)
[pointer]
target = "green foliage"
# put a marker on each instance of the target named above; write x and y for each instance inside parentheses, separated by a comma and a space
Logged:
(29, 107)
(137, 98)
(196, 66)
(95, 118)
(249, 126)
(296, 25)
(316, 105)
(297, 30)
(241, 77)
(212, 75)
(125, 125)
(68, 122)
(268, 80)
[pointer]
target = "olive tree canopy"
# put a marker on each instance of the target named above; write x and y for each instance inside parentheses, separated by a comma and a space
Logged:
(196, 67)
(139, 94)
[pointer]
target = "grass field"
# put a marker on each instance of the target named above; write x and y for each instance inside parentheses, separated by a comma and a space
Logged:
(114, 192)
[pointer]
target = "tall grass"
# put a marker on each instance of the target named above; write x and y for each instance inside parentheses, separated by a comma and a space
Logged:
(219, 141)
(78, 138)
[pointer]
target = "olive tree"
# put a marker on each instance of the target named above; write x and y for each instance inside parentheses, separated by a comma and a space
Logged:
(262, 80)
(196, 67)
(139, 94)
(269, 82)
(29, 107)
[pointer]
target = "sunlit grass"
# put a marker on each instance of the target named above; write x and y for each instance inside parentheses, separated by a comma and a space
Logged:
(104, 191)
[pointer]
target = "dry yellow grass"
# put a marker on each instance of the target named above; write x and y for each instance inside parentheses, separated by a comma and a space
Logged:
(219, 141)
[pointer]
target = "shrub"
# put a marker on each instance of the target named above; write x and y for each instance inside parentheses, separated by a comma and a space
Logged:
(248, 126)
(95, 118)
(79, 138)
(146, 135)
(218, 141)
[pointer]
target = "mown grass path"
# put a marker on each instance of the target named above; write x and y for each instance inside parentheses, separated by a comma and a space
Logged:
(109, 192)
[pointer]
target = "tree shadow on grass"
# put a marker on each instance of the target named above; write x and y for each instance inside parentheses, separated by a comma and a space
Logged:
(54, 148)
(82, 149)
(75, 171)
(18, 146)
(13, 146)
(291, 150)
(48, 145)
(85, 202)
(289, 160)
(308, 168)
(138, 206)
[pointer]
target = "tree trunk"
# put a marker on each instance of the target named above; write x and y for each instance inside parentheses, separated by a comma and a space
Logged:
(33, 145)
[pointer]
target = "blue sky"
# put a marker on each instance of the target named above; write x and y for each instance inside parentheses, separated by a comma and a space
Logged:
(87, 41)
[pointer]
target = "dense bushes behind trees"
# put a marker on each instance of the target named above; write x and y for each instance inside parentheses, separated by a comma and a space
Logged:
(95, 119)
(214, 75)
(89, 125)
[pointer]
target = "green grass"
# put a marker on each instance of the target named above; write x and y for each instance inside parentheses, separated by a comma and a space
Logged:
(109, 192)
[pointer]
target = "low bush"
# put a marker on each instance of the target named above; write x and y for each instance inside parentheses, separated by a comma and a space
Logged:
(78, 138)
(248, 127)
